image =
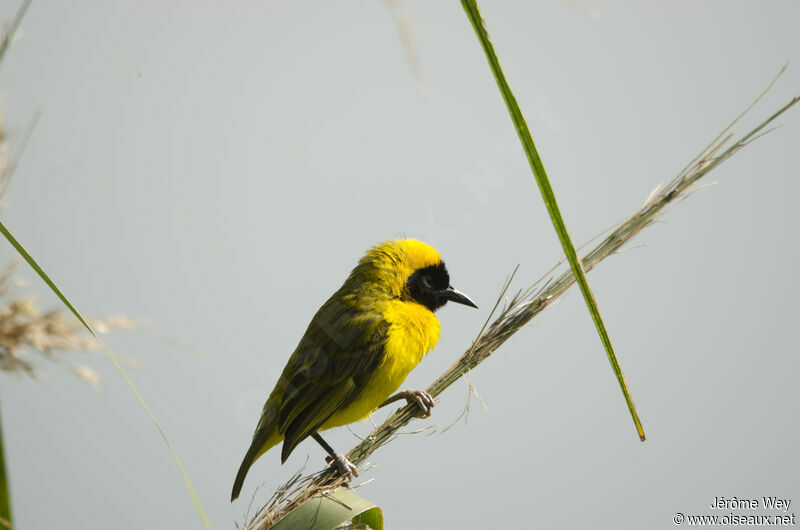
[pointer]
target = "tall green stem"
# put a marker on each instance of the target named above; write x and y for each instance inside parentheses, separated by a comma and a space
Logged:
(471, 8)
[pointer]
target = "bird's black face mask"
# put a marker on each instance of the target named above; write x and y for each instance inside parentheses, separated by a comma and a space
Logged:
(431, 287)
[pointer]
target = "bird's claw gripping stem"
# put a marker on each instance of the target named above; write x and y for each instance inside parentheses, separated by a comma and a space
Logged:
(422, 399)
(344, 466)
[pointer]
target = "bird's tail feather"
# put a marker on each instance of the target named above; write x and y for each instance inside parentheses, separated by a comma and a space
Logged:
(249, 458)
(265, 437)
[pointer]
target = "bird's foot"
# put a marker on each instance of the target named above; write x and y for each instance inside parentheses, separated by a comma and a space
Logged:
(344, 466)
(422, 399)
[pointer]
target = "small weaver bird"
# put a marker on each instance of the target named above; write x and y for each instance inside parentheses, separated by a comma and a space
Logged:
(358, 350)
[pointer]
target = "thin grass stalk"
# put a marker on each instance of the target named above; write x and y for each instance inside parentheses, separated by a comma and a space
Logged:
(535, 161)
(8, 34)
(5, 496)
(5, 41)
(53, 287)
(514, 313)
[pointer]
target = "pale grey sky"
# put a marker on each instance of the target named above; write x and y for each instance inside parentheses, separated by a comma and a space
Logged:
(215, 169)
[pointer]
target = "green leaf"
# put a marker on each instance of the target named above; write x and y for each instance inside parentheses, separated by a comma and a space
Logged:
(471, 8)
(325, 512)
(372, 518)
(24, 253)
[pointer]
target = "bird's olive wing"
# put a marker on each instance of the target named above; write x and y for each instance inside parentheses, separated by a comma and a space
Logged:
(329, 369)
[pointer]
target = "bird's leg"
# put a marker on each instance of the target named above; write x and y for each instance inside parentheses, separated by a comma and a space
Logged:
(345, 467)
(422, 399)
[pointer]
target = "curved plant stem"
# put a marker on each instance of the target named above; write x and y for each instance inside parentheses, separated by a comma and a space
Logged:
(28, 258)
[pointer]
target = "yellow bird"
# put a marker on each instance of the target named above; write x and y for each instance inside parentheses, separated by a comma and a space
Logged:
(358, 350)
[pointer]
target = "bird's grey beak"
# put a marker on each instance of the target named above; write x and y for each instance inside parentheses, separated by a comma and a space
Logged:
(456, 296)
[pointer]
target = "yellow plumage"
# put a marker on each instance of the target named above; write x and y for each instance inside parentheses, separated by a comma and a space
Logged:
(358, 349)
(413, 332)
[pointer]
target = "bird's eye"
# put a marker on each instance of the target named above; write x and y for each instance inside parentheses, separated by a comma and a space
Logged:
(426, 281)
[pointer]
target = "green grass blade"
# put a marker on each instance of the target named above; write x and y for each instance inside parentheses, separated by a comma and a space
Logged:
(329, 511)
(471, 8)
(5, 500)
(11, 239)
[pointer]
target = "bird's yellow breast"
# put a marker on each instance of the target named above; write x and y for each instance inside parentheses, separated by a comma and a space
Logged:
(413, 332)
